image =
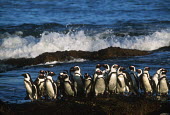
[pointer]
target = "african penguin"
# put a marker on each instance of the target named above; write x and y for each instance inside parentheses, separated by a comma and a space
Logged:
(134, 80)
(163, 85)
(112, 79)
(78, 81)
(155, 79)
(145, 82)
(31, 89)
(99, 84)
(87, 84)
(40, 83)
(121, 81)
(139, 73)
(68, 86)
(50, 85)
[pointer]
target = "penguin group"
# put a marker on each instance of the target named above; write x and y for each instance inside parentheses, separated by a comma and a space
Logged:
(43, 87)
(105, 80)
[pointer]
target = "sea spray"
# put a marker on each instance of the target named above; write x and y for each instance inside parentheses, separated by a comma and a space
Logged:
(30, 47)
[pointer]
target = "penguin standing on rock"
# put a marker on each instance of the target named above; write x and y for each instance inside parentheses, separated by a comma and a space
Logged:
(112, 79)
(68, 86)
(99, 84)
(31, 89)
(163, 85)
(145, 82)
(60, 84)
(134, 80)
(139, 73)
(87, 84)
(40, 83)
(155, 79)
(122, 83)
(50, 86)
(77, 81)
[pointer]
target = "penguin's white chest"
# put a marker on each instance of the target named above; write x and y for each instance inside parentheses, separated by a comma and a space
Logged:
(68, 89)
(155, 80)
(121, 86)
(41, 84)
(163, 86)
(49, 88)
(100, 85)
(147, 85)
(122, 82)
(112, 81)
(94, 77)
(87, 84)
(28, 87)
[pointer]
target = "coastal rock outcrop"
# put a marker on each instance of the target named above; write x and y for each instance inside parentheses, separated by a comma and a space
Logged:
(108, 53)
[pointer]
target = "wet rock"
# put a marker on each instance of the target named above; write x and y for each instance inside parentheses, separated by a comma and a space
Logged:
(5, 109)
(166, 48)
(116, 104)
(108, 53)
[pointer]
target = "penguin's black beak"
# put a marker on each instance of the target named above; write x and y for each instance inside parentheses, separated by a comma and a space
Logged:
(22, 74)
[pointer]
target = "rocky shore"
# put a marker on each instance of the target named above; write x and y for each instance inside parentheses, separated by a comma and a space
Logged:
(101, 105)
(108, 53)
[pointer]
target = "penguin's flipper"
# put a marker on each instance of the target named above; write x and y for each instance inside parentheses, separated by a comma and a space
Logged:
(154, 86)
(167, 83)
(119, 82)
(34, 91)
(151, 83)
(108, 78)
(141, 82)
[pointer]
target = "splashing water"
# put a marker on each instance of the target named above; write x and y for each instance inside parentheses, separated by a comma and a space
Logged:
(30, 47)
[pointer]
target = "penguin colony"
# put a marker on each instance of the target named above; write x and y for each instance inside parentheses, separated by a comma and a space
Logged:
(106, 80)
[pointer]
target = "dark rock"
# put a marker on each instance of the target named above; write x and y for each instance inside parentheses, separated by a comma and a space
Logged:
(108, 53)
(5, 109)
(116, 104)
(166, 48)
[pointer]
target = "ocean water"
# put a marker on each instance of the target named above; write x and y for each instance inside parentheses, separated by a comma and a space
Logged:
(31, 27)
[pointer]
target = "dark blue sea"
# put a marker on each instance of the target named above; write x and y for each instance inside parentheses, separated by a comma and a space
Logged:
(29, 28)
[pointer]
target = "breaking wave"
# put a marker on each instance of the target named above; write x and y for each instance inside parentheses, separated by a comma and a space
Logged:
(15, 46)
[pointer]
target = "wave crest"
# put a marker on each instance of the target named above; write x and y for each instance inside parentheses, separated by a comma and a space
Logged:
(30, 47)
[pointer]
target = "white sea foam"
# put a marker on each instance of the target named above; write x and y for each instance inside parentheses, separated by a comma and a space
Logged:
(30, 47)
(55, 62)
